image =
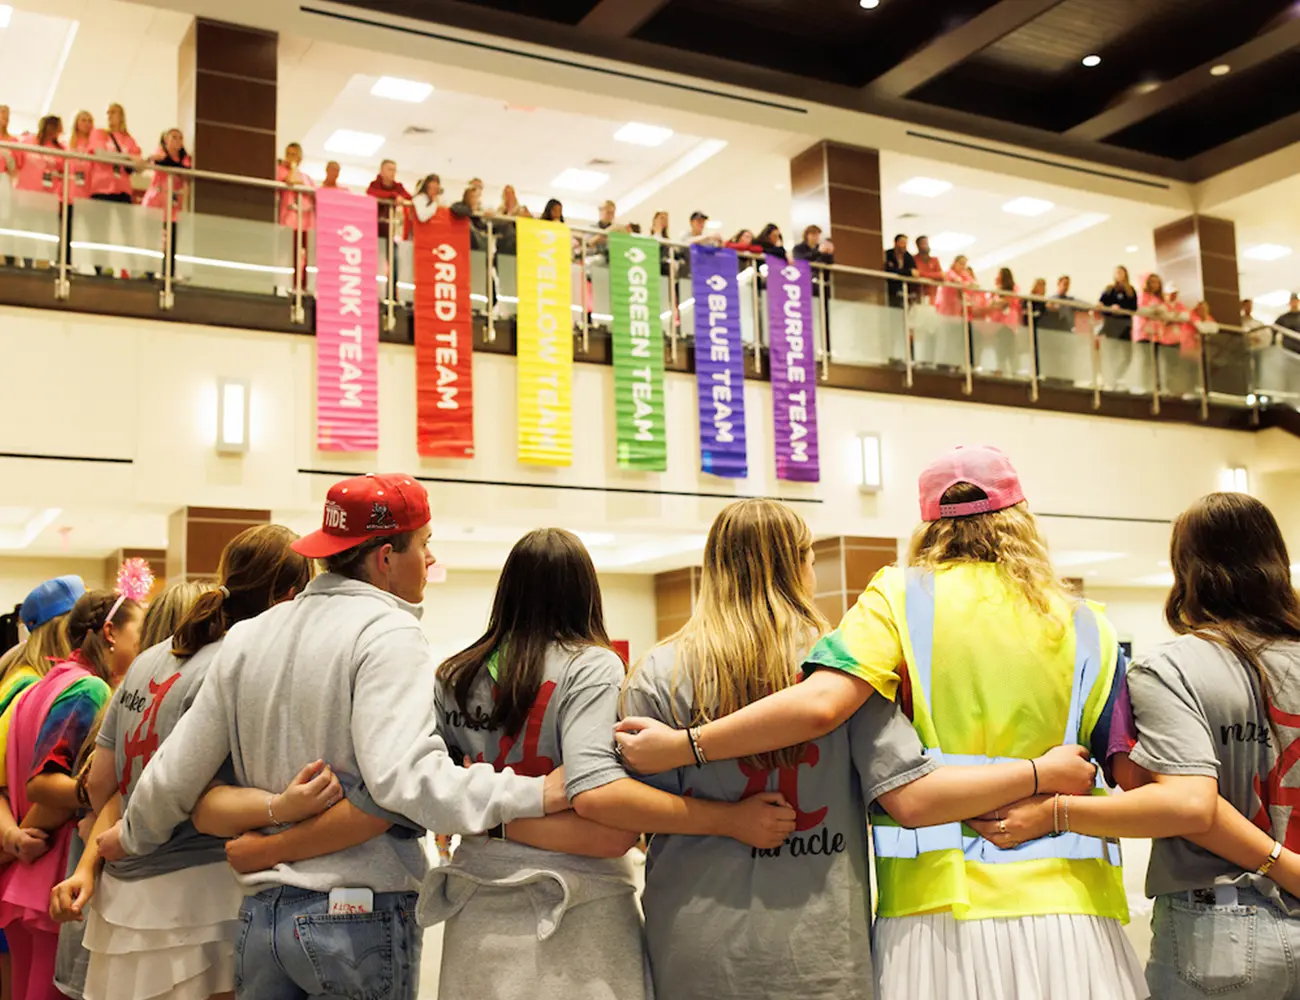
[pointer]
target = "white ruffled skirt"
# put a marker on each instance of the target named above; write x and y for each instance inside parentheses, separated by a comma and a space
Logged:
(170, 937)
(1057, 957)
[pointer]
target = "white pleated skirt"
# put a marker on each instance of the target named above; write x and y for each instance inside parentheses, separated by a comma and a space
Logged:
(170, 937)
(1057, 957)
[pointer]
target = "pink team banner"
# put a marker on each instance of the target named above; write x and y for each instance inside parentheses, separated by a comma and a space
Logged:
(347, 322)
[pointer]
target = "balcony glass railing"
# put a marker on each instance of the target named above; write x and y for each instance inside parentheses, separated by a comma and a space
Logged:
(222, 235)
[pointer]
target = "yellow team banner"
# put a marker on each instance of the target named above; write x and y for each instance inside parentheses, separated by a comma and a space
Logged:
(545, 342)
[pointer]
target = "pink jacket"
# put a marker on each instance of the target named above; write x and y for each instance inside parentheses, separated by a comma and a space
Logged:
(156, 196)
(948, 300)
(1182, 329)
(38, 171)
(288, 201)
(111, 178)
(1004, 309)
(81, 170)
(1147, 328)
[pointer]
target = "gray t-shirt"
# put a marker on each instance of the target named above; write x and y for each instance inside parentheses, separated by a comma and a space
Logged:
(1199, 711)
(727, 920)
(571, 721)
(157, 690)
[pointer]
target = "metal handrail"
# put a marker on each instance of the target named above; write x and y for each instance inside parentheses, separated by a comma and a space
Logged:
(144, 163)
(677, 249)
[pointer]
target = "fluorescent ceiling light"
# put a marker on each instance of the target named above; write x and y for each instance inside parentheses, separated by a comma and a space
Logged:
(1279, 298)
(6, 12)
(1029, 207)
(576, 179)
(595, 539)
(21, 526)
(1092, 60)
(949, 242)
(1222, 69)
(1164, 580)
(350, 143)
(926, 187)
(1131, 248)
(868, 4)
(1267, 251)
(410, 91)
(706, 150)
(643, 135)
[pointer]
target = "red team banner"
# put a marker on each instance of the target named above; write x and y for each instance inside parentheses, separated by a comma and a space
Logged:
(444, 360)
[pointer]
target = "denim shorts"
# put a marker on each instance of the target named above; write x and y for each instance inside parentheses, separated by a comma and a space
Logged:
(290, 947)
(1239, 946)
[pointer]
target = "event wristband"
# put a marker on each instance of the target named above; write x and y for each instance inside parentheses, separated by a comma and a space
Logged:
(1271, 860)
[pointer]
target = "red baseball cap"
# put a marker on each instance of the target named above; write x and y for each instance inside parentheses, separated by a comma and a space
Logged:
(357, 510)
(981, 465)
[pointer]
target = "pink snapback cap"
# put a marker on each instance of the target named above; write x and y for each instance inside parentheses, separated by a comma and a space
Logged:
(982, 466)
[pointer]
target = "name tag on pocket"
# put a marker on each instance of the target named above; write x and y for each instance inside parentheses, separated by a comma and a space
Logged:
(347, 901)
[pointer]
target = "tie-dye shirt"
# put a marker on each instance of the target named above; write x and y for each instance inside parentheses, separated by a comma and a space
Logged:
(68, 723)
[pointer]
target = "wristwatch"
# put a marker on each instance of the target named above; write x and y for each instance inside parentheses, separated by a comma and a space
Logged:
(498, 832)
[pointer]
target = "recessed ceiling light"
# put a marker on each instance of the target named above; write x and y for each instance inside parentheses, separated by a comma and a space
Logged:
(410, 91)
(643, 135)
(868, 4)
(1091, 61)
(1131, 248)
(6, 12)
(1278, 298)
(926, 187)
(949, 242)
(1028, 206)
(350, 143)
(1267, 251)
(576, 179)
(1223, 69)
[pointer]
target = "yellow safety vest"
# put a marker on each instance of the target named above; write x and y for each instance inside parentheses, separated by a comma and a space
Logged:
(949, 867)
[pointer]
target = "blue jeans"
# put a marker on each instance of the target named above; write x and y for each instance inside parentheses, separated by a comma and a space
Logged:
(291, 948)
(1242, 948)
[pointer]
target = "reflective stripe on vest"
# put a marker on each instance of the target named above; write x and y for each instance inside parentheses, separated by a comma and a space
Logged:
(893, 841)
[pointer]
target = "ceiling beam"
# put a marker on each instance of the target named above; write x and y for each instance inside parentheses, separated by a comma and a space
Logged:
(1141, 106)
(956, 46)
(619, 18)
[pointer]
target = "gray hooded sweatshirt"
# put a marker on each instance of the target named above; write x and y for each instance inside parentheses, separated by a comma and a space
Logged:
(343, 673)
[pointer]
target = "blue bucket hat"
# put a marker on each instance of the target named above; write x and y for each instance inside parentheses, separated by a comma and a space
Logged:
(51, 599)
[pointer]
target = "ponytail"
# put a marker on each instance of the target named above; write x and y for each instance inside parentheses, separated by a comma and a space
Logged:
(258, 569)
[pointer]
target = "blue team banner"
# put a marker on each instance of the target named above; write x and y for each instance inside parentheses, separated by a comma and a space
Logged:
(719, 361)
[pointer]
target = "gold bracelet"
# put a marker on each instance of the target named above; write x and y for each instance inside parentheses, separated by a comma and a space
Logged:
(1066, 810)
(1056, 814)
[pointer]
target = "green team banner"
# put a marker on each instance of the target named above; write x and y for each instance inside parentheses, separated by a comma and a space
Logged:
(638, 353)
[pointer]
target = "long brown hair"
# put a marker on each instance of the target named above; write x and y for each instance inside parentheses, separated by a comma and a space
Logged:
(93, 610)
(257, 569)
(1232, 578)
(548, 594)
(755, 619)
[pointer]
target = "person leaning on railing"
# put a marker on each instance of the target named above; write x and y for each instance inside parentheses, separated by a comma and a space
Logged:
(170, 153)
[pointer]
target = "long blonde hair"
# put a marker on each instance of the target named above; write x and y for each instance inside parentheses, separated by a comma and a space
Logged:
(167, 609)
(1009, 538)
(754, 620)
(47, 644)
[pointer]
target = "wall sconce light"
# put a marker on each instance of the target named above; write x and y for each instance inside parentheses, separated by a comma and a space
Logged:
(872, 479)
(1234, 480)
(232, 416)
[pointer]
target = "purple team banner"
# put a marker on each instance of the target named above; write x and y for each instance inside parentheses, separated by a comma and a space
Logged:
(794, 369)
(719, 361)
